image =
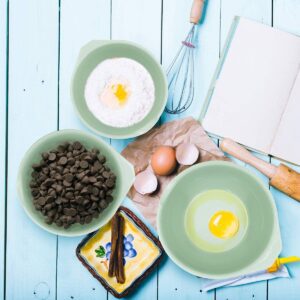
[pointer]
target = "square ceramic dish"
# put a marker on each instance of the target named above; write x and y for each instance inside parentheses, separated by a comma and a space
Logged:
(120, 166)
(142, 252)
(261, 243)
(94, 53)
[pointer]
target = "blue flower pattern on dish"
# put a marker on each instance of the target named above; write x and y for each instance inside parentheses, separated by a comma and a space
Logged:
(128, 248)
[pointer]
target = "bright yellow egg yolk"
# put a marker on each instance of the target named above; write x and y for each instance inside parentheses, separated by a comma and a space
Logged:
(120, 92)
(223, 224)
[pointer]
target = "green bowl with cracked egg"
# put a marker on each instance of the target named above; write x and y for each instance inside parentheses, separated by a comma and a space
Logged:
(120, 166)
(94, 53)
(192, 199)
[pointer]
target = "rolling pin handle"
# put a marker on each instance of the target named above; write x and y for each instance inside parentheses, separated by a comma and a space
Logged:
(241, 153)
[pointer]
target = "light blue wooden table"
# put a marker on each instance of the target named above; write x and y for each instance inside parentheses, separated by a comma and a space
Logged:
(39, 43)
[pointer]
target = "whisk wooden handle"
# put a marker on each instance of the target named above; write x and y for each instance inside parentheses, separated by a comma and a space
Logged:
(196, 11)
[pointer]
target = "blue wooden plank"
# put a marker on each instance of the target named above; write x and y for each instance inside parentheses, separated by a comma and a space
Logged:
(81, 21)
(260, 11)
(257, 10)
(31, 252)
(257, 290)
(175, 27)
(138, 21)
(288, 213)
(3, 58)
(286, 16)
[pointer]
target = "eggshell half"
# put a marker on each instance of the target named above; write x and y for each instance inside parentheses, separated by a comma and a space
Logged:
(187, 154)
(145, 182)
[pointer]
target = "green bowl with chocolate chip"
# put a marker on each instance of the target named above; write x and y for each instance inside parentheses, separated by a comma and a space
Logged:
(111, 164)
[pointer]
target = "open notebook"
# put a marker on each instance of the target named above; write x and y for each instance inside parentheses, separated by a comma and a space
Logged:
(255, 94)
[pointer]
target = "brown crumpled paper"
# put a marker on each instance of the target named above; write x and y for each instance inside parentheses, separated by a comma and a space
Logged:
(170, 134)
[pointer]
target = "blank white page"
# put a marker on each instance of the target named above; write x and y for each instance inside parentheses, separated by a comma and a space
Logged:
(286, 144)
(254, 85)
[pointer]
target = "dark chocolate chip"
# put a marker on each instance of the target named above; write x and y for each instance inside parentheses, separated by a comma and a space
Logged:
(94, 198)
(63, 160)
(85, 180)
(45, 155)
(36, 167)
(69, 177)
(88, 219)
(86, 202)
(110, 183)
(71, 161)
(105, 174)
(58, 188)
(70, 211)
(69, 195)
(103, 204)
(77, 145)
(84, 164)
(95, 191)
(66, 183)
(52, 156)
(109, 199)
(41, 201)
(69, 184)
(92, 179)
(101, 159)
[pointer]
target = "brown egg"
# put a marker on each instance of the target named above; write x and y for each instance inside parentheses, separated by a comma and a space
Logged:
(163, 160)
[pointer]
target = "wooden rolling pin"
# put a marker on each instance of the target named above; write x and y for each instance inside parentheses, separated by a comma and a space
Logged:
(281, 177)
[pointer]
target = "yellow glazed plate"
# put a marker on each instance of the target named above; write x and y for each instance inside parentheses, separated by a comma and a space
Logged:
(142, 251)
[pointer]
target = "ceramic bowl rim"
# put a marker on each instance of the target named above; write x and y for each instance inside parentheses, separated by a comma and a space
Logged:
(149, 125)
(86, 228)
(167, 191)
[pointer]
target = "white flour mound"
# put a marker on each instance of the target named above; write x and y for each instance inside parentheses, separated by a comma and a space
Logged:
(136, 78)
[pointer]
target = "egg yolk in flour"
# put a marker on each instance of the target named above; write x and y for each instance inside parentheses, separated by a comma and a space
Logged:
(223, 224)
(114, 95)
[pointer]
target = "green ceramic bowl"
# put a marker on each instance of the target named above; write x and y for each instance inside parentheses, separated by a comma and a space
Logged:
(90, 56)
(261, 243)
(120, 166)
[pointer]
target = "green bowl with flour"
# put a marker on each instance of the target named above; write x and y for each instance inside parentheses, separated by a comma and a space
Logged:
(94, 53)
(120, 166)
(186, 199)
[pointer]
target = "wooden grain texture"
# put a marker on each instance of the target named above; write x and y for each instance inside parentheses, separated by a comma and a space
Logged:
(31, 252)
(80, 22)
(286, 16)
(175, 28)
(257, 10)
(258, 290)
(40, 34)
(138, 21)
(288, 213)
(3, 60)
(260, 11)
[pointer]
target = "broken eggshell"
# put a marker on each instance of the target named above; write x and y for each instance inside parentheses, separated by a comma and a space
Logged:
(187, 154)
(145, 182)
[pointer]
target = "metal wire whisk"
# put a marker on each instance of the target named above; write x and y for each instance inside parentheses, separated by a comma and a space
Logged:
(180, 73)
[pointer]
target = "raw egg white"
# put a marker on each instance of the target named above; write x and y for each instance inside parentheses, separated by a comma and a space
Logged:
(216, 220)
